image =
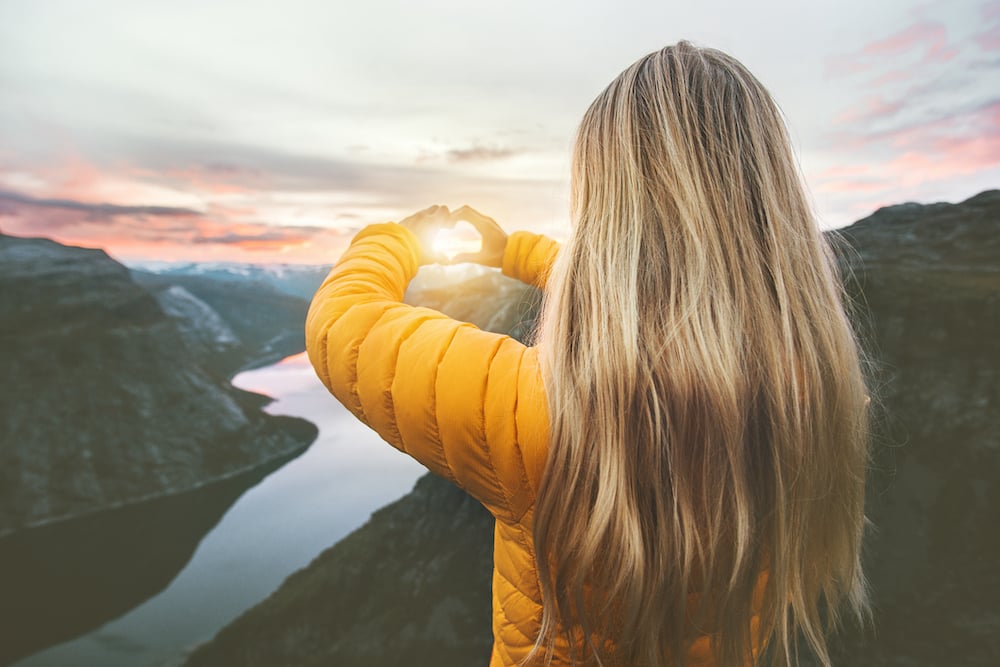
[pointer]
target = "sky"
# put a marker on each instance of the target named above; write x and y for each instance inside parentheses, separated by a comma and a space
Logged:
(273, 131)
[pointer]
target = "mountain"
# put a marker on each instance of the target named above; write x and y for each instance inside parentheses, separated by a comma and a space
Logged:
(487, 298)
(229, 325)
(110, 395)
(926, 280)
(412, 585)
(298, 280)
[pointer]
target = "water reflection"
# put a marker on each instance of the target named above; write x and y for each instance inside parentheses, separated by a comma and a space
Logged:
(66, 578)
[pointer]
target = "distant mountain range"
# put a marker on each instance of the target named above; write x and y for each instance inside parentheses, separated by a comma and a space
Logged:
(229, 325)
(412, 586)
(300, 280)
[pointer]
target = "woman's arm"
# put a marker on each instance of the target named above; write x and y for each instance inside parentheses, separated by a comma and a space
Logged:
(467, 403)
(529, 257)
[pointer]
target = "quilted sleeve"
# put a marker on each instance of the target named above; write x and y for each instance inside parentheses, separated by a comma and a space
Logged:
(466, 403)
(528, 257)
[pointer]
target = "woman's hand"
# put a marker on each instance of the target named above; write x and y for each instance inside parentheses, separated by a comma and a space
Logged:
(494, 238)
(426, 224)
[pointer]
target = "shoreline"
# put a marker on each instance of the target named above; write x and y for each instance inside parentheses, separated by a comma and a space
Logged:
(117, 505)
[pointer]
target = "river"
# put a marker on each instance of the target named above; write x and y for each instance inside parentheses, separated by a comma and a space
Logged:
(267, 530)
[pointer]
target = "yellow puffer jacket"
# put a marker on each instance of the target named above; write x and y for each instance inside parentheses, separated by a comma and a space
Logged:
(467, 403)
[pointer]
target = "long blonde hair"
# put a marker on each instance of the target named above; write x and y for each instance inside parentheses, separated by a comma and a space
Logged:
(706, 389)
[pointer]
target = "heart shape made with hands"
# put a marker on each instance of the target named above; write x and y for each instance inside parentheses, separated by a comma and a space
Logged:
(462, 237)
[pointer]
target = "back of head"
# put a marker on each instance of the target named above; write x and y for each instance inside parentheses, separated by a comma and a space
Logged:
(706, 395)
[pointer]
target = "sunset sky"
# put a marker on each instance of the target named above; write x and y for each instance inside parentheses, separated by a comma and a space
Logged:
(272, 131)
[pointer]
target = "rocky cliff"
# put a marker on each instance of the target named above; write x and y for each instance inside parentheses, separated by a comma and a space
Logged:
(925, 281)
(111, 394)
(229, 325)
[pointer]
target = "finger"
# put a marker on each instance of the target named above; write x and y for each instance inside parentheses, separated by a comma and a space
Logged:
(467, 213)
(483, 223)
(435, 212)
(414, 218)
(445, 218)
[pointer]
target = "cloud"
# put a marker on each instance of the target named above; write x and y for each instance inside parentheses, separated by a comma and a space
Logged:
(932, 36)
(159, 232)
(274, 204)
(875, 107)
(927, 36)
(989, 39)
(474, 153)
(354, 184)
(947, 128)
(953, 149)
(856, 185)
(990, 11)
(96, 211)
(480, 153)
(196, 194)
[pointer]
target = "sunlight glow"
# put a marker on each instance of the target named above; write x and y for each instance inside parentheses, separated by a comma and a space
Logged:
(451, 242)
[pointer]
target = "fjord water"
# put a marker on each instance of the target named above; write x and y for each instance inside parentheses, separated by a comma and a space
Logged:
(170, 573)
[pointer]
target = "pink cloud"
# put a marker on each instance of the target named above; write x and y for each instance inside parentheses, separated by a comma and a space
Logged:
(856, 185)
(843, 171)
(208, 179)
(74, 178)
(905, 39)
(988, 40)
(990, 11)
(983, 120)
(872, 108)
(937, 151)
(845, 64)
(135, 233)
(953, 158)
(68, 202)
(892, 77)
(929, 36)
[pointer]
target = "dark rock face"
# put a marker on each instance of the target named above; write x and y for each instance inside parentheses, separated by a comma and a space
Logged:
(926, 283)
(103, 400)
(930, 276)
(230, 326)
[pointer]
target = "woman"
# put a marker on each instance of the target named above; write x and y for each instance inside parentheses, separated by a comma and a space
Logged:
(677, 463)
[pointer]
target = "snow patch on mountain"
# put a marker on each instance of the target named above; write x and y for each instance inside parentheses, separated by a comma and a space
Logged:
(198, 320)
